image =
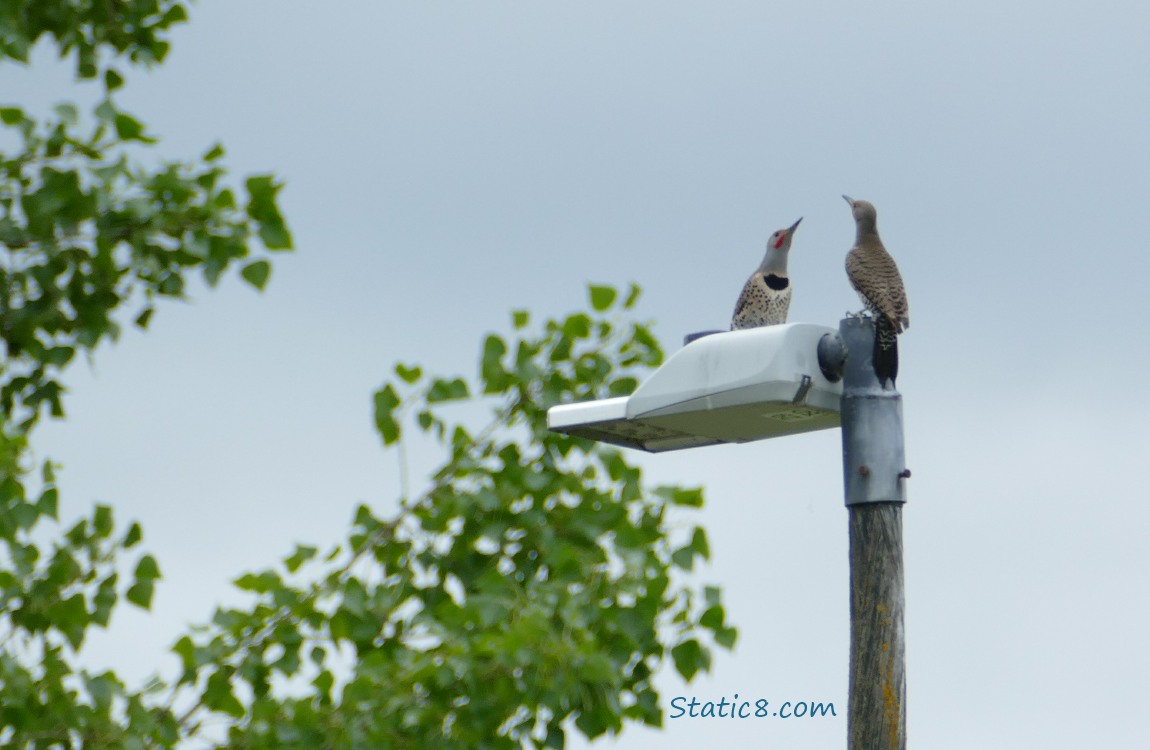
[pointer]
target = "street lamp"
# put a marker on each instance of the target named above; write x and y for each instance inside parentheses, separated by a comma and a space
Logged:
(730, 387)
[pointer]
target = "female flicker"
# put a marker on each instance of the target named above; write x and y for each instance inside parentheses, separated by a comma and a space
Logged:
(874, 275)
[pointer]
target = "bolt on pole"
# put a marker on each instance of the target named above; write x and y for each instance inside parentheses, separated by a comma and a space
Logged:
(874, 478)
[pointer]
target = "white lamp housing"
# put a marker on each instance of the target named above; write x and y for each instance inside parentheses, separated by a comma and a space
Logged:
(730, 387)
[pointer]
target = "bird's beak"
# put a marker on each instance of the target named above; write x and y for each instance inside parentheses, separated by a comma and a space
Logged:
(793, 227)
(849, 200)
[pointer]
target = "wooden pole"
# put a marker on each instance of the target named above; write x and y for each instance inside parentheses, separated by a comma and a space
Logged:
(876, 706)
(874, 474)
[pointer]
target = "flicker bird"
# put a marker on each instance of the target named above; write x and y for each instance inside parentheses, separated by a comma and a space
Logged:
(766, 296)
(874, 275)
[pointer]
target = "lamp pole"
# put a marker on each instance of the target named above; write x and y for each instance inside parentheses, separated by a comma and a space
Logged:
(874, 477)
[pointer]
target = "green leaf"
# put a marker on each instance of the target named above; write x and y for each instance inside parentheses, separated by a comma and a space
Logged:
(218, 695)
(145, 317)
(447, 390)
(214, 153)
(699, 543)
(495, 376)
(318, 655)
(364, 519)
(105, 111)
(561, 352)
(10, 489)
(67, 113)
(684, 557)
(711, 595)
(596, 668)
(78, 534)
(130, 129)
(17, 46)
(632, 296)
(260, 583)
(11, 115)
(520, 319)
(262, 192)
(86, 62)
(112, 80)
(408, 375)
(256, 273)
(225, 199)
(726, 637)
(140, 593)
(175, 14)
(232, 620)
(622, 387)
(275, 235)
(691, 498)
(556, 738)
(712, 618)
(59, 355)
(159, 50)
(386, 401)
(70, 617)
(323, 683)
(577, 326)
(104, 600)
(147, 569)
(301, 555)
(186, 650)
(24, 515)
(690, 658)
(101, 688)
(133, 536)
(49, 501)
(602, 297)
(654, 353)
(102, 521)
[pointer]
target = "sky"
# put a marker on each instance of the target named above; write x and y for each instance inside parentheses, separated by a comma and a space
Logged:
(447, 162)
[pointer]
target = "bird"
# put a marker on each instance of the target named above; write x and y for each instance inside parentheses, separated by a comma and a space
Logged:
(766, 296)
(873, 274)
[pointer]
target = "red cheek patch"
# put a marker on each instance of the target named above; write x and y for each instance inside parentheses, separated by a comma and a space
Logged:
(780, 242)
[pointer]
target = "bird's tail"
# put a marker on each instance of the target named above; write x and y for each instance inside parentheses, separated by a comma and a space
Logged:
(885, 350)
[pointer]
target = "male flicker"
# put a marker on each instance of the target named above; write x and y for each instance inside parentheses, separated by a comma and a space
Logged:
(766, 296)
(874, 275)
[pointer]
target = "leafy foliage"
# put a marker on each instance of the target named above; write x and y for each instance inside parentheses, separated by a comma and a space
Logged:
(86, 230)
(529, 588)
(132, 29)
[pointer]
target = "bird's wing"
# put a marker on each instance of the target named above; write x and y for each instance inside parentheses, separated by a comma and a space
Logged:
(901, 306)
(895, 305)
(874, 275)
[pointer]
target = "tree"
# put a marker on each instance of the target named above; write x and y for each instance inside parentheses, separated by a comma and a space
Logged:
(529, 588)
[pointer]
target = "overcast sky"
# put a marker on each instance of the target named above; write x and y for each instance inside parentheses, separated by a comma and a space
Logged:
(448, 162)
